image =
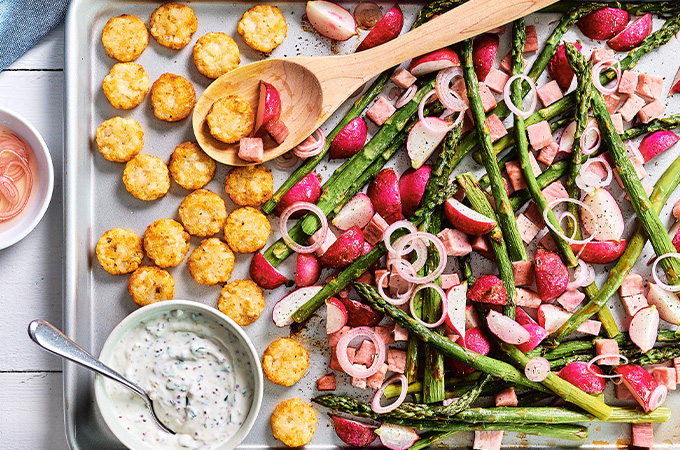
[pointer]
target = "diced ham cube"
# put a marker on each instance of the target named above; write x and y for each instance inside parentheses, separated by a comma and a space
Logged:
(488, 100)
(376, 380)
(634, 303)
(631, 107)
(460, 88)
(535, 168)
(623, 393)
(378, 275)
(449, 280)
(375, 230)
(515, 175)
(397, 284)
(554, 191)
(527, 229)
(335, 365)
(365, 354)
(548, 243)
(631, 285)
(251, 149)
(534, 214)
(506, 63)
(666, 376)
(540, 135)
(396, 360)
(333, 338)
(471, 318)
(523, 272)
(386, 332)
(467, 124)
(643, 435)
(570, 299)
(549, 93)
(612, 102)
(601, 54)
(506, 397)
(481, 245)
(527, 298)
(548, 153)
(358, 382)
(326, 382)
(676, 209)
(651, 111)
(649, 86)
(496, 127)
(531, 43)
(628, 82)
(330, 240)
(607, 347)
(455, 242)
(380, 111)
(403, 78)
(487, 440)
(617, 120)
(591, 327)
(496, 80)
(277, 130)
(400, 333)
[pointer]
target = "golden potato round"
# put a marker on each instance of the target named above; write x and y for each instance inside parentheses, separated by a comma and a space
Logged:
(172, 97)
(202, 212)
(126, 85)
(119, 251)
(263, 27)
(216, 54)
(211, 263)
(146, 177)
(246, 230)
(242, 301)
(293, 422)
(166, 242)
(230, 118)
(190, 166)
(249, 185)
(150, 285)
(120, 139)
(124, 37)
(285, 361)
(172, 25)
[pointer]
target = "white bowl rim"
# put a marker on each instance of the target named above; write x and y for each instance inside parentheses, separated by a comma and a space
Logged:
(139, 315)
(15, 234)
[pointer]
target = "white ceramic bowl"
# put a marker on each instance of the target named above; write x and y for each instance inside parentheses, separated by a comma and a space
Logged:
(103, 399)
(34, 212)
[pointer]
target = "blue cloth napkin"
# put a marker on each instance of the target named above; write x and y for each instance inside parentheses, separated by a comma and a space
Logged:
(24, 22)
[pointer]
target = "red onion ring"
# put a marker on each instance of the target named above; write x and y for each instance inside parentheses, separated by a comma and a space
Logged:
(508, 101)
(449, 98)
(341, 352)
(428, 123)
(11, 143)
(602, 356)
(661, 284)
(571, 217)
(559, 231)
(9, 158)
(580, 274)
(537, 369)
(445, 309)
(597, 70)
(307, 150)
(413, 245)
(16, 201)
(375, 403)
(283, 227)
(590, 150)
(589, 181)
(391, 229)
(401, 298)
(287, 160)
(442, 257)
(406, 96)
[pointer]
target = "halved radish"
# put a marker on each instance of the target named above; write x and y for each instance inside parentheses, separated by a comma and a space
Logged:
(608, 219)
(604, 23)
(384, 193)
(283, 311)
(354, 433)
(361, 315)
(584, 376)
(506, 329)
(600, 252)
(350, 140)
(397, 437)
(567, 137)
(648, 393)
(336, 315)
(633, 35)
(537, 335)
(667, 303)
(269, 106)
(411, 188)
(456, 308)
(357, 212)
(656, 143)
(423, 140)
(331, 20)
(484, 51)
(307, 270)
(387, 28)
(264, 274)
(675, 84)
(467, 219)
(644, 327)
(433, 62)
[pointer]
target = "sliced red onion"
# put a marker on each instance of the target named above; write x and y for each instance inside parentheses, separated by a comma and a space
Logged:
(416, 245)
(421, 114)
(447, 114)
(559, 231)
(309, 149)
(287, 160)
(606, 65)
(12, 170)
(589, 150)
(449, 98)
(661, 284)
(283, 226)
(401, 298)
(358, 371)
(391, 229)
(13, 163)
(580, 275)
(406, 96)
(440, 249)
(571, 217)
(537, 369)
(445, 308)
(508, 101)
(589, 181)
(375, 403)
(602, 356)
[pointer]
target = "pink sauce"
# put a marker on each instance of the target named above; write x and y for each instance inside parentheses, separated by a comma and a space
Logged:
(15, 177)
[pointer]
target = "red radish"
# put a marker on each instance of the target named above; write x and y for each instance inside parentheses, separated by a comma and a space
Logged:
(434, 62)
(566, 142)
(424, 139)
(675, 85)
(559, 68)
(345, 250)
(604, 23)
(384, 193)
(583, 376)
(608, 219)
(360, 314)
(307, 270)
(656, 143)
(488, 289)
(387, 28)
(644, 327)
(476, 341)
(350, 140)
(456, 308)
(552, 317)
(523, 318)
(331, 20)
(283, 311)
(264, 274)
(357, 212)
(397, 437)
(471, 317)
(484, 51)
(667, 303)
(536, 335)
(354, 433)
(269, 106)
(642, 385)
(411, 187)
(467, 219)
(307, 190)
(336, 315)
(633, 35)
(551, 274)
(506, 329)
(600, 252)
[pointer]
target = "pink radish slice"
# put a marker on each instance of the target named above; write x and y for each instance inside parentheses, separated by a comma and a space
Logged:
(633, 35)
(264, 274)
(284, 309)
(675, 84)
(397, 437)
(537, 335)
(354, 433)
(608, 220)
(657, 142)
(644, 327)
(648, 393)
(506, 329)
(387, 28)
(455, 317)
(360, 314)
(667, 303)
(331, 20)
(584, 376)
(523, 318)
(357, 212)
(537, 369)
(433, 62)
(336, 315)
(269, 106)
(422, 140)
(567, 138)
(307, 270)
(467, 219)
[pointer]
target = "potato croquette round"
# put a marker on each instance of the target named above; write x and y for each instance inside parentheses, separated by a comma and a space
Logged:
(216, 54)
(230, 118)
(293, 422)
(249, 185)
(166, 242)
(246, 230)
(150, 285)
(126, 85)
(242, 301)
(285, 361)
(124, 37)
(119, 251)
(172, 25)
(211, 263)
(203, 213)
(120, 139)
(190, 166)
(263, 27)
(172, 97)
(146, 177)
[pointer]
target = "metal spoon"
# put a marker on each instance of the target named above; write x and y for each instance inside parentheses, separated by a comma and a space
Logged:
(54, 341)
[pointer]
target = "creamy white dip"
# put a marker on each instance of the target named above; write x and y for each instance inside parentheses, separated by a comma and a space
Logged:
(197, 373)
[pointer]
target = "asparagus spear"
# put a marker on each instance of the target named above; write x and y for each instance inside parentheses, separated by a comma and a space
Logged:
(663, 123)
(434, 9)
(654, 356)
(570, 432)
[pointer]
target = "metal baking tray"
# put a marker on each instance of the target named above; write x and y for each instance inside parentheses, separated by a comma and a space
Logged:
(96, 200)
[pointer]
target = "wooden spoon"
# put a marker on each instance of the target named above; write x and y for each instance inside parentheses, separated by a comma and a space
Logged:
(313, 87)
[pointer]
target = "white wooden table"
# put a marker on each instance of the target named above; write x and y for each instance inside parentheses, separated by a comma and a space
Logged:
(31, 404)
